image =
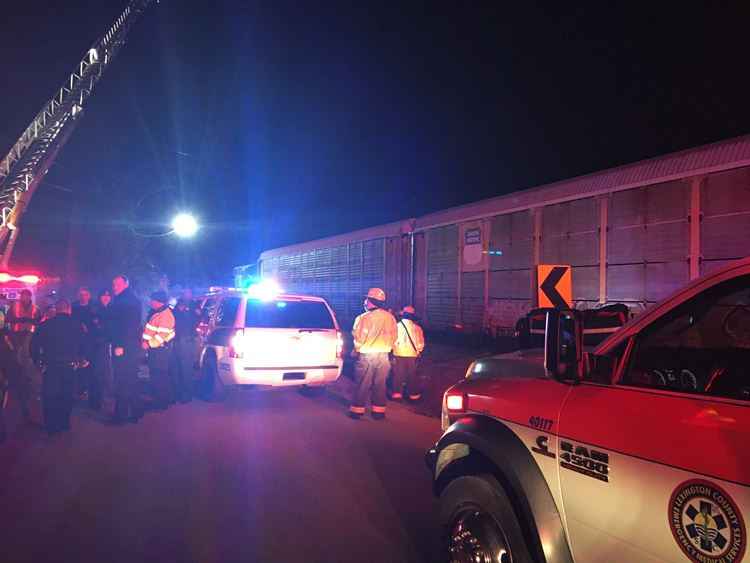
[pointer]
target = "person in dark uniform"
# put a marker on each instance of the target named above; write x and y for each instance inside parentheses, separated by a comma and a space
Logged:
(102, 360)
(87, 386)
(57, 345)
(184, 350)
(8, 367)
(125, 333)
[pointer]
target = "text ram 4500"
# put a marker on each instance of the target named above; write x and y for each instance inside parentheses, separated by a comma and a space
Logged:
(636, 452)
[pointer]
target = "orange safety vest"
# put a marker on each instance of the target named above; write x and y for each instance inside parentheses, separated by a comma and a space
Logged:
(20, 320)
(410, 340)
(374, 332)
(159, 329)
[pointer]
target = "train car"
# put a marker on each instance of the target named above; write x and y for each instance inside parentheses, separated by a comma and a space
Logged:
(631, 234)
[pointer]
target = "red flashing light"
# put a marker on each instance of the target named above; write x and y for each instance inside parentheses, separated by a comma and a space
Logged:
(26, 278)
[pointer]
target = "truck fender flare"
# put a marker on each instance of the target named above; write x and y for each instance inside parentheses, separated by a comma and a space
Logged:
(518, 472)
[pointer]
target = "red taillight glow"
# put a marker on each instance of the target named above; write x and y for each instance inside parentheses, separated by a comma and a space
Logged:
(26, 278)
(455, 403)
(339, 345)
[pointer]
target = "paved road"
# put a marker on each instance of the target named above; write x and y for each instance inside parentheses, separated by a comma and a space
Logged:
(271, 476)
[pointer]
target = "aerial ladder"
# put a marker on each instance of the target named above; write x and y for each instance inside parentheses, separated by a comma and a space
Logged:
(29, 159)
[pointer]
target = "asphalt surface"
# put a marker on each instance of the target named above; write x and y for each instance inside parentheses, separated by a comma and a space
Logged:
(265, 476)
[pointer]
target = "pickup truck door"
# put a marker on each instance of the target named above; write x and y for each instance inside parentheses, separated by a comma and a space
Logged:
(655, 462)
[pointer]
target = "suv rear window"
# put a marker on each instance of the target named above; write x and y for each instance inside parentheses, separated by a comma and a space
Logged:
(287, 314)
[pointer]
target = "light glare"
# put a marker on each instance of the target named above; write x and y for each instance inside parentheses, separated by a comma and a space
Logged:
(265, 290)
(454, 402)
(184, 225)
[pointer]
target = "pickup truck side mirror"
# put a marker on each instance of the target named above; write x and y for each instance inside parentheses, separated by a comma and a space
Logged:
(563, 345)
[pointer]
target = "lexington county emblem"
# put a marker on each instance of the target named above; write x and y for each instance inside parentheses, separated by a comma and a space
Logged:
(706, 523)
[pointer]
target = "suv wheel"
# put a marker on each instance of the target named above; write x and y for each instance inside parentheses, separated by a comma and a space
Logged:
(215, 390)
(479, 522)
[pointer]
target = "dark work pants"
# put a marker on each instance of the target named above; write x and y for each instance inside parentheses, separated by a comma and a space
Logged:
(21, 376)
(57, 396)
(405, 378)
(102, 364)
(158, 370)
(183, 360)
(127, 395)
(371, 372)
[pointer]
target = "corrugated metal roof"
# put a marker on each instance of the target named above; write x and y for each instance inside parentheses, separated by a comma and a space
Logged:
(723, 155)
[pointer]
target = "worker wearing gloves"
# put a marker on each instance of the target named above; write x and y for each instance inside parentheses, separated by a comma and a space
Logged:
(374, 336)
(157, 337)
(409, 345)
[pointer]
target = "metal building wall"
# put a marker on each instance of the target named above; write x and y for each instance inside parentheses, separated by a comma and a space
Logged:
(648, 242)
(511, 274)
(725, 225)
(570, 235)
(340, 274)
(442, 276)
(632, 234)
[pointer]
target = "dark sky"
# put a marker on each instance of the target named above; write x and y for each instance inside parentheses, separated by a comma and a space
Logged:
(281, 121)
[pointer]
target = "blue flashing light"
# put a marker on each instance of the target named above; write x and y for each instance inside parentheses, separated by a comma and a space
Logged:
(281, 304)
(264, 290)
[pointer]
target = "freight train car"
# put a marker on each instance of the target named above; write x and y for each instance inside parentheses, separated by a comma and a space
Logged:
(631, 234)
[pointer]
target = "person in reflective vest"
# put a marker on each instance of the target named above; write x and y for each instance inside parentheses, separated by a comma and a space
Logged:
(157, 337)
(374, 335)
(22, 320)
(409, 346)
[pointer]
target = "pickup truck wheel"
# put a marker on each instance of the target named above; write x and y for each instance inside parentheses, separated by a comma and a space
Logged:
(215, 388)
(479, 523)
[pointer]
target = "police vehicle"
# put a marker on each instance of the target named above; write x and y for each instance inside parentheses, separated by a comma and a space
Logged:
(636, 452)
(262, 337)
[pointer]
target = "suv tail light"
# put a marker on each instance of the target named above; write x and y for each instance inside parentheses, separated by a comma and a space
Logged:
(237, 344)
(339, 345)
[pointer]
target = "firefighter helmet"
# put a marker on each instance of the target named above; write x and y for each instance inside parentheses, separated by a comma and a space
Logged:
(376, 293)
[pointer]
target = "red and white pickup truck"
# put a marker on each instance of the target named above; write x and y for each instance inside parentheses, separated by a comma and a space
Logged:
(636, 452)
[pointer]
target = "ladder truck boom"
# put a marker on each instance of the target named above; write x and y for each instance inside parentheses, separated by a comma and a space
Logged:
(29, 159)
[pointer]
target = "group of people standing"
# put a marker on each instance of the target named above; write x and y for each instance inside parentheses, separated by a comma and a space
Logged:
(93, 350)
(378, 335)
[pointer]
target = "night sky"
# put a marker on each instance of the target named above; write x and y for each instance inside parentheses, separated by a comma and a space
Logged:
(277, 122)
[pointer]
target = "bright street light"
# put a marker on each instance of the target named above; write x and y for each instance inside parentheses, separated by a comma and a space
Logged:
(184, 225)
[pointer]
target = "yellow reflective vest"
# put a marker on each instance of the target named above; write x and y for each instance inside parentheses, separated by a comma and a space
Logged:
(404, 347)
(374, 332)
(159, 328)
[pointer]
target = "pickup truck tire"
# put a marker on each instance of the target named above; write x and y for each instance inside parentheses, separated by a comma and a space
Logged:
(479, 523)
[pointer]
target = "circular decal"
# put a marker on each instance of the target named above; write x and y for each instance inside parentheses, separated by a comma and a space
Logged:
(706, 523)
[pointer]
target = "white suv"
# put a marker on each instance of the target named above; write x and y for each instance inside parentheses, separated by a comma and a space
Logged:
(269, 340)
